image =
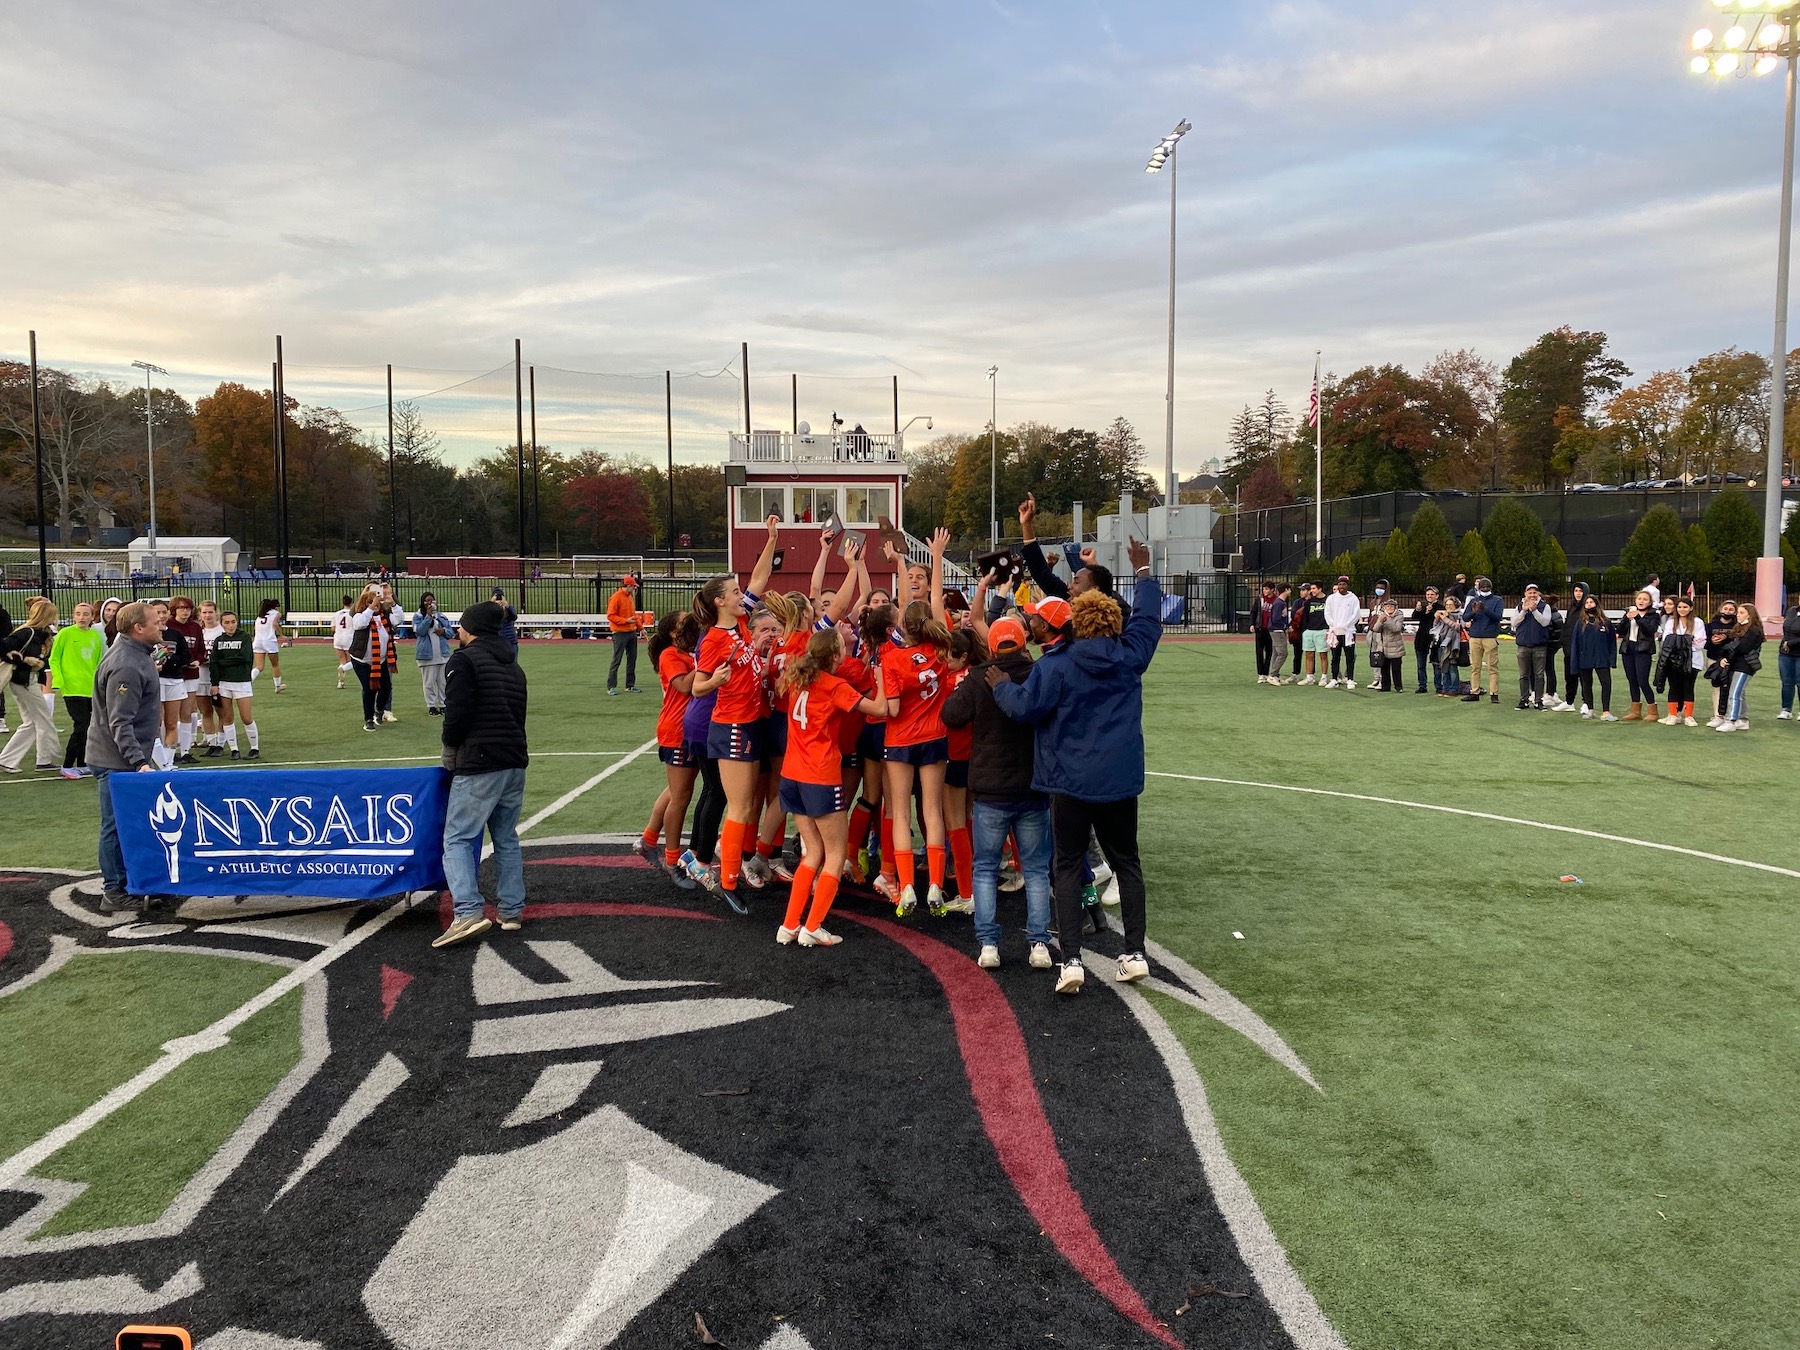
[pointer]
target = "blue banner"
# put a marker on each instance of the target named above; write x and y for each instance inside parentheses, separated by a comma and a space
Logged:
(358, 834)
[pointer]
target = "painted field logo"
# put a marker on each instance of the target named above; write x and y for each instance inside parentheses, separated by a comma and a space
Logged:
(356, 834)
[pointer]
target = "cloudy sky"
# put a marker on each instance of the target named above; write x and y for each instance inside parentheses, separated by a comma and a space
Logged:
(919, 189)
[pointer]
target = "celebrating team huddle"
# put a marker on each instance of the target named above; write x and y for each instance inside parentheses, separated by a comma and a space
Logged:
(850, 710)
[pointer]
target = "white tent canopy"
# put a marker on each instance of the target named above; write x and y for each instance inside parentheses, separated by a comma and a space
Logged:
(192, 553)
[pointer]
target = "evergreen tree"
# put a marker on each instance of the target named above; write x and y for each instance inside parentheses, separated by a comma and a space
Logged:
(1342, 566)
(1472, 557)
(1656, 546)
(1514, 539)
(1397, 561)
(1697, 558)
(1431, 545)
(1365, 565)
(1553, 567)
(1315, 568)
(1734, 534)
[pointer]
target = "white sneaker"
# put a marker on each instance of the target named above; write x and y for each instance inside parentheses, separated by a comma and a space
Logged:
(1743, 724)
(1726, 726)
(1069, 978)
(1586, 713)
(1329, 684)
(818, 937)
(1670, 720)
(1308, 680)
(1607, 717)
(1784, 716)
(1110, 896)
(462, 929)
(989, 958)
(1102, 874)
(1011, 881)
(1040, 956)
(1132, 966)
(1714, 721)
(785, 935)
(386, 716)
(1689, 722)
(1563, 705)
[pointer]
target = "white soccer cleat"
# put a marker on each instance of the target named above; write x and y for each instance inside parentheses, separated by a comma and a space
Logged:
(818, 937)
(785, 935)
(907, 903)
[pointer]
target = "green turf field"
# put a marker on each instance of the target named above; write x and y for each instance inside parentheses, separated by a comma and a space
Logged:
(1553, 1114)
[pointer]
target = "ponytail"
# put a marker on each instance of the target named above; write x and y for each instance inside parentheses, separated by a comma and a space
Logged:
(706, 603)
(965, 645)
(921, 625)
(877, 627)
(821, 654)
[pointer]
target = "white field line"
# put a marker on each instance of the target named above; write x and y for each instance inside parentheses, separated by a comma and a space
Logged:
(178, 1052)
(1489, 815)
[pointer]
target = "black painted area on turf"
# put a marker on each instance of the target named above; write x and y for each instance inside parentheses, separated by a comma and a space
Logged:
(895, 1223)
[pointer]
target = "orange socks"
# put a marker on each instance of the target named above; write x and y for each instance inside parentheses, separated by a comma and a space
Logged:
(797, 893)
(934, 863)
(765, 848)
(902, 854)
(859, 826)
(651, 835)
(672, 856)
(731, 852)
(962, 848)
(823, 894)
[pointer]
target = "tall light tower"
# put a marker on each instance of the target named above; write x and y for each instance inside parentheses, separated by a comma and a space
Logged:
(1165, 154)
(993, 379)
(1759, 39)
(150, 445)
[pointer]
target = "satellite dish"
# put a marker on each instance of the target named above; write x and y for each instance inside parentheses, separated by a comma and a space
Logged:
(805, 429)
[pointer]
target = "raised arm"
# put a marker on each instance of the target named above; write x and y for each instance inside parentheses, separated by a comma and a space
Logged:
(826, 540)
(765, 561)
(940, 540)
(902, 583)
(978, 610)
(845, 599)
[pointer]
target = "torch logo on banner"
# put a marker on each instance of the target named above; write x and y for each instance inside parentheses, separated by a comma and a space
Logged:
(168, 820)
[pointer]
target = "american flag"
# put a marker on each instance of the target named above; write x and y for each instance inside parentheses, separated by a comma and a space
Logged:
(1312, 408)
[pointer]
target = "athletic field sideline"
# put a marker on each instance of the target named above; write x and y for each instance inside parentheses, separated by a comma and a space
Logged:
(1539, 1112)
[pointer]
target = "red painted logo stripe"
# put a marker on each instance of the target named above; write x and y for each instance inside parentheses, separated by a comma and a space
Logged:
(6, 942)
(1012, 1113)
(570, 909)
(592, 860)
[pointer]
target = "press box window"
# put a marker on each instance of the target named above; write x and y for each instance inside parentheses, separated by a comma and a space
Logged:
(755, 505)
(814, 505)
(868, 505)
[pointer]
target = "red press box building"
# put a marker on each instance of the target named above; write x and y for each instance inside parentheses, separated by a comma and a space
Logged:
(804, 477)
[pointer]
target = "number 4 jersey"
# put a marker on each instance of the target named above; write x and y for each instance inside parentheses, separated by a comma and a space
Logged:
(916, 676)
(815, 723)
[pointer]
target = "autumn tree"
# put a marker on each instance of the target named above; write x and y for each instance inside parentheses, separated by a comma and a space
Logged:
(1463, 397)
(85, 429)
(1562, 369)
(1646, 422)
(1727, 412)
(234, 436)
(614, 507)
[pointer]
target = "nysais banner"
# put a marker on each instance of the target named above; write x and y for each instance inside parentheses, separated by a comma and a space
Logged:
(358, 834)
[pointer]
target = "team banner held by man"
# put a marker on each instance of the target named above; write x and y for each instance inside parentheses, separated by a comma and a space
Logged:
(350, 834)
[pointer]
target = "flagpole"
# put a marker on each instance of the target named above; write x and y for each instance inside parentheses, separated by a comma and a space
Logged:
(1318, 461)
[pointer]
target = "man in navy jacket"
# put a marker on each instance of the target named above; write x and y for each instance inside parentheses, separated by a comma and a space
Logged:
(1482, 611)
(1088, 711)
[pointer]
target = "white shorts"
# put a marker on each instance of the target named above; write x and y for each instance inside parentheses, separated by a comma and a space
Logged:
(199, 686)
(173, 691)
(267, 647)
(237, 689)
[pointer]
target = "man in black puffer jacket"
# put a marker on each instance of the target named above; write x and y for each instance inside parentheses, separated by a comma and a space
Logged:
(484, 747)
(1002, 799)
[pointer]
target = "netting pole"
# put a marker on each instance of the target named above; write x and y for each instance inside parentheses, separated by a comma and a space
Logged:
(669, 432)
(519, 416)
(393, 510)
(896, 405)
(37, 450)
(281, 487)
(744, 349)
(537, 516)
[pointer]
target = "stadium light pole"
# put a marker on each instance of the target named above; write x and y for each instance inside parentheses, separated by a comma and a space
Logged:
(993, 378)
(150, 445)
(393, 506)
(1165, 154)
(1760, 38)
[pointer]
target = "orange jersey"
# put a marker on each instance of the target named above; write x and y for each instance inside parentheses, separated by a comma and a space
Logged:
(853, 672)
(962, 739)
(742, 698)
(779, 656)
(916, 677)
(815, 728)
(673, 664)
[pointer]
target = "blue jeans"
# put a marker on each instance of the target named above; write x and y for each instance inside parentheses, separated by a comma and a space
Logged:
(1739, 709)
(112, 857)
(1449, 678)
(990, 823)
(1419, 657)
(1790, 679)
(491, 802)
